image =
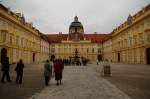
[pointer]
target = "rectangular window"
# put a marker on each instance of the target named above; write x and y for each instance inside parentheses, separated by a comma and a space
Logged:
(122, 43)
(58, 49)
(130, 41)
(87, 50)
(53, 50)
(125, 41)
(3, 36)
(148, 37)
(17, 54)
(30, 44)
(82, 49)
(22, 41)
(141, 38)
(119, 44)
(26, 43)
(135, 39)
(11, 39)
(17, 40)
(92, 50)
(99, 50)
(53, 45)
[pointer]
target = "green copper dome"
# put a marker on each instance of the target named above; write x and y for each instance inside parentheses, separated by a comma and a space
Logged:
(76, 23)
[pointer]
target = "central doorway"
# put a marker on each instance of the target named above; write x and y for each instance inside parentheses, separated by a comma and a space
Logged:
(33, 57)
(52, 57)
(99, 57)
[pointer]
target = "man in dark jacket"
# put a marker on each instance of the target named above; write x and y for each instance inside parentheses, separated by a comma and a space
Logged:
(5, 69)
(19, 71)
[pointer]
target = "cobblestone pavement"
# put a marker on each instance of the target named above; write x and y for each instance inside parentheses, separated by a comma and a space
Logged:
(32, 83)
(81, 82)
(133, 79)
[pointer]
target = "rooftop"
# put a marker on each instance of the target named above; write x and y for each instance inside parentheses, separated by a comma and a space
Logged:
(94, 38)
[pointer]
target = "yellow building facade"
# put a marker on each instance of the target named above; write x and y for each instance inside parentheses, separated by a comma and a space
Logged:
(107, 49)
(128, 43)
(65, 46)
(18, 39)
(67, 49)
(131, 40)
(44, 48)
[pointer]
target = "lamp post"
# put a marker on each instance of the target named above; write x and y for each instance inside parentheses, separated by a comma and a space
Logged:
(76, 54)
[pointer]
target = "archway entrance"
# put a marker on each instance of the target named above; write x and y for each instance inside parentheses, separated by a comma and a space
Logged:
(148, 55)
(33, 57)
(52, 57)
(99, 57)
(3, 53)
(118, 57)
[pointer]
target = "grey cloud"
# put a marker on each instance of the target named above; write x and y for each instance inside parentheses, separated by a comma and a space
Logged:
(53, 16)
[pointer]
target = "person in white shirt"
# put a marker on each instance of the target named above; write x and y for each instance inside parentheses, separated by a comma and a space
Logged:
(47, 72)
(51, 62)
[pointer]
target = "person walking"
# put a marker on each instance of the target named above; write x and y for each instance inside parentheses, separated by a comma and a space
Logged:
(5, 69)
(58, 69)
(47, 72)
(51, 62)
(19, 71)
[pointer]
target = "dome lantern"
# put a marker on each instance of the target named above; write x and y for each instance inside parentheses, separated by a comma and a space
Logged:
(75, 19)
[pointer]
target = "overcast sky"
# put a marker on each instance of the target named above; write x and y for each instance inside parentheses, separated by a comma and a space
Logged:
(53, 16)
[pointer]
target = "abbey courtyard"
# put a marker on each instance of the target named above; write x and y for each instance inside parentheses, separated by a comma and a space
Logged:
(128, 43)
(127, 49)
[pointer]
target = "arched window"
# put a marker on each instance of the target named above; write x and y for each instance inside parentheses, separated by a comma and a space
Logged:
(92, 50)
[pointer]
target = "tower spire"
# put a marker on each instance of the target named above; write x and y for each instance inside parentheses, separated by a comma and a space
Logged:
(76, 19)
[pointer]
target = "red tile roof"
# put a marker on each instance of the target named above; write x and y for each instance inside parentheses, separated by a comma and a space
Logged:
(56, 38)
(107, 37)
(95, 38)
